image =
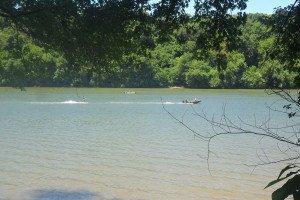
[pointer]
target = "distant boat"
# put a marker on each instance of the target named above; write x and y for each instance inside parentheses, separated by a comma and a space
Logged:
(195, 101)
(129, 92)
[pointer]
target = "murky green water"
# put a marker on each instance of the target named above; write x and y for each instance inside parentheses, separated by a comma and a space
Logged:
(117, 146)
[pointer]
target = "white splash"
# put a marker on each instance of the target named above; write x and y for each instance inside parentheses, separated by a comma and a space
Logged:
(62, 102)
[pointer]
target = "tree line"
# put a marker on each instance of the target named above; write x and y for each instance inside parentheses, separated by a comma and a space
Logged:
(179, 59)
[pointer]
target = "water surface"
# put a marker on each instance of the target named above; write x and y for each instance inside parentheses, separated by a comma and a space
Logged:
(117, 146)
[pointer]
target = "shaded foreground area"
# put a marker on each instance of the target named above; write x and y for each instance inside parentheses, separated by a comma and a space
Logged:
(59, 194)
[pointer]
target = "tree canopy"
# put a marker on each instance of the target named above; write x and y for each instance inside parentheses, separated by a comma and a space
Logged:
(180, 61)
(141, 43)
(98, 31)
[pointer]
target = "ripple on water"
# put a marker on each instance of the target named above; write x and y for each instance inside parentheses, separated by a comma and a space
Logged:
(127, 148)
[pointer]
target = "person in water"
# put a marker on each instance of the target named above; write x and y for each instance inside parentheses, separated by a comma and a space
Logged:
(83, 99)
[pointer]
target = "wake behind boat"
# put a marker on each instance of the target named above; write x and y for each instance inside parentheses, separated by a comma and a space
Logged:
(61, 102)
(74, 102)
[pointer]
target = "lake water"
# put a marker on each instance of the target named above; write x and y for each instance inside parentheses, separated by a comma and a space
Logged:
(126, 147)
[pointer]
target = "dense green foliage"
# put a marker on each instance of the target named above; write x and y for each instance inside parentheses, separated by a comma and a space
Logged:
(179, 61)
(95, 32)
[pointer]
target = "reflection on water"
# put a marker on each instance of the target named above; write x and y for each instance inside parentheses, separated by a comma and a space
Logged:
(118, 146)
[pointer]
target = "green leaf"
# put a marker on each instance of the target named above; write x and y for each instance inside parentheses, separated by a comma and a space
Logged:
(285, 169)
(280, 179)
(274, 182)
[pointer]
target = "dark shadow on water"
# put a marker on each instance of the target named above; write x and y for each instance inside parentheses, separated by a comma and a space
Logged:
(53, 194)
